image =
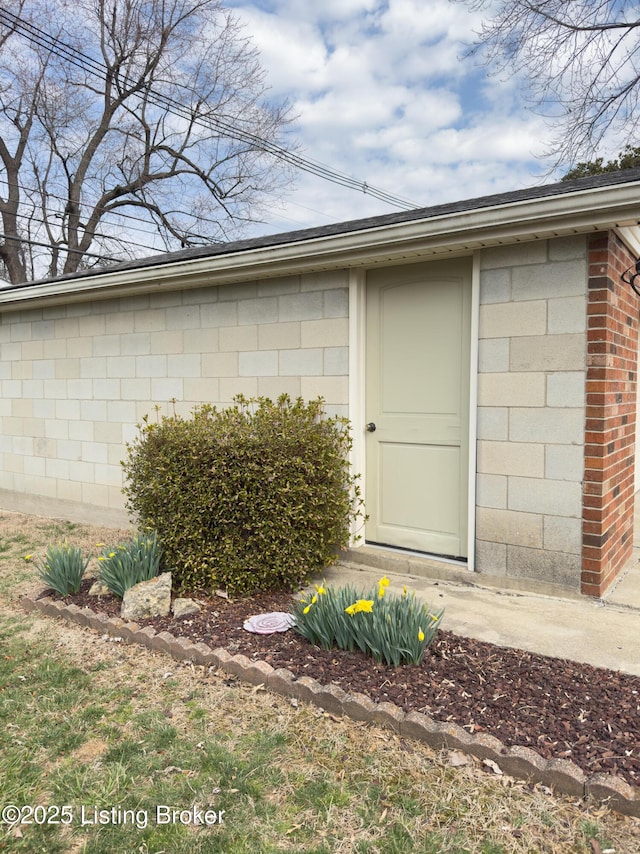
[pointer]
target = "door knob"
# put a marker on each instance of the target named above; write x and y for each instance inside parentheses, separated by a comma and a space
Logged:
(371, 427)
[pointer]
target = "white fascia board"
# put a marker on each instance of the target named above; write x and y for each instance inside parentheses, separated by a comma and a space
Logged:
(463, 231)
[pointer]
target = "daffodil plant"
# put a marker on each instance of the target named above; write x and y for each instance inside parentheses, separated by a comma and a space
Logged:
(62, 568)
(127, 564)
(393, 629)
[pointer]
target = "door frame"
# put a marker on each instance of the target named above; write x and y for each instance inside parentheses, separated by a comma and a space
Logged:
(357, 376)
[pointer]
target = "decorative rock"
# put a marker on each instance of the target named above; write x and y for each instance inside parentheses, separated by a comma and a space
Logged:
(266, 624)
(148, 599)
(565, 777)
(389, 715)
(98, 588)
(184, 607)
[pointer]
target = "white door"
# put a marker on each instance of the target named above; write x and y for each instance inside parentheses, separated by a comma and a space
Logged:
(417, 406)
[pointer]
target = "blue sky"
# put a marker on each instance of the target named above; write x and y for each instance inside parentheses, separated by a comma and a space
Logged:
(382, 92)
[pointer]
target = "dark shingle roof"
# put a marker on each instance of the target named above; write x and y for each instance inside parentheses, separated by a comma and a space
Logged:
(350, 226)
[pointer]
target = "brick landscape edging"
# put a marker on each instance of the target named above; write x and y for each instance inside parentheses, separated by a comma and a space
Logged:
(520, 762)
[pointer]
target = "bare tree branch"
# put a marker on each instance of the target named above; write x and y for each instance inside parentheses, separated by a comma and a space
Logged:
(581, 60)
(118, 108)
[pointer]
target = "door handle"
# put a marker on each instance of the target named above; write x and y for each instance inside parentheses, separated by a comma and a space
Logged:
(371, 427)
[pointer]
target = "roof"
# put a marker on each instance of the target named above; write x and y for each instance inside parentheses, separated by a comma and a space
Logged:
(577, 206)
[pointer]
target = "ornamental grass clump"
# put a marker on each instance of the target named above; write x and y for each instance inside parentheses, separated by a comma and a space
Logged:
(392, 629)
(62, 568)
(127, 564)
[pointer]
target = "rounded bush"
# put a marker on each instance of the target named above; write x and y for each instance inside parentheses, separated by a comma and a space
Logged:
(257, 496)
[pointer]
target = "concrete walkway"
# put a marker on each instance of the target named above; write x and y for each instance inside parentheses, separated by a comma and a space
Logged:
(605, 633)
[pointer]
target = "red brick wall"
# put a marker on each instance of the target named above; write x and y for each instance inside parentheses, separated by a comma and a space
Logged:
(612, 363)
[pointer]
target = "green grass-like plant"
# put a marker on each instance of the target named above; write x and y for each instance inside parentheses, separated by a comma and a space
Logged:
(127, 564)
(62, 568)
(393, 629)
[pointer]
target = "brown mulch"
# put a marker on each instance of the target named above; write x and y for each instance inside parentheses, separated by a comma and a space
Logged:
(559, 708)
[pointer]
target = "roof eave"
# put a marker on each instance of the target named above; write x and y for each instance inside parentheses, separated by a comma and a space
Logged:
(453, 233)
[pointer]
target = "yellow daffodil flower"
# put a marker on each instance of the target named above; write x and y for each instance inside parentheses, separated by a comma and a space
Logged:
(320, 589)
(28, 557)
(360, 605)
(306, 610)
(420, 635)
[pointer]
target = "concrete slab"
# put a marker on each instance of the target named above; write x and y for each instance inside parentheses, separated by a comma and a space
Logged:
(601, 633)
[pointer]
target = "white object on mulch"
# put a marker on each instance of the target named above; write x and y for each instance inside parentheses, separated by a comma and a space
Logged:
(266, 624)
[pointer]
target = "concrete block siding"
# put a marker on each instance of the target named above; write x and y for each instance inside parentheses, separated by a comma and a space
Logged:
(76, 379)
(531, 417)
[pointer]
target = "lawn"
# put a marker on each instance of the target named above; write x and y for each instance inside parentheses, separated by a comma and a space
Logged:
(118, 749)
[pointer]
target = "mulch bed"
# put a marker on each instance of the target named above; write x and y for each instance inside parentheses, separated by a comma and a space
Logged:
(559, 708)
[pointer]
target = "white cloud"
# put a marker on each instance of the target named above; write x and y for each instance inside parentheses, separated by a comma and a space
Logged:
(383, 93)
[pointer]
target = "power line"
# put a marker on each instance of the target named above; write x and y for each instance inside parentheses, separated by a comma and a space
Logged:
(225, 128)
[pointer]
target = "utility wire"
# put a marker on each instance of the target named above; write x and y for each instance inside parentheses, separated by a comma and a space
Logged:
(225, 128)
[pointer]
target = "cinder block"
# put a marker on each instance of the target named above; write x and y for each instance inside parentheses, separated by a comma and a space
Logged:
(493, 423)
(562, 534)
(336, 303)
(514, 255)
(508, 389)
(567, 315)
(552, 567)
(564, 462)
(167, 389)
(491, 491)
(568, 248)
(261, 310)
(301, 363)
(548, 353)
(183, 317)
(495, 286)
(566, 389)
(219, 364)
(554, 279)
(279, 285)
(554, 426)
(332, 332)
(166, 342)
(550, 497)
(303, 306)
(150, 320)
(121, 366)
(509, 526)
(508, 320)
(151, 366)
(261, 363)
(491, 558)
(239, 338)
(106, 345)
(279, 336)
(493, 355)
(218, 314)
(183, 365)
(334, 390)
(525, 459)
(324, 280)
(136, 344)
(336, 361)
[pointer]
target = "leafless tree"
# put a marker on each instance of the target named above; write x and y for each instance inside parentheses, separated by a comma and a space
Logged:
(582, 59)
(128, 122)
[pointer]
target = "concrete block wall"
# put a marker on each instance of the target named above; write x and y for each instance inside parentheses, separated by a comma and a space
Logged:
(76, 379)
(531, 410)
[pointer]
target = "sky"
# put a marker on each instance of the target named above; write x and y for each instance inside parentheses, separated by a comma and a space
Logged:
(382, 91)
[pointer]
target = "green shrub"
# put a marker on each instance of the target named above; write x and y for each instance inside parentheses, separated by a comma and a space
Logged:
(62, 568)
(257, 496)
(127, 564)
(393, 629)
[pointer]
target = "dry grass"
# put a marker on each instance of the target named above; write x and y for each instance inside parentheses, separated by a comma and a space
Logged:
(290, 777)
